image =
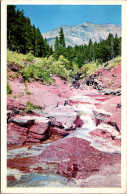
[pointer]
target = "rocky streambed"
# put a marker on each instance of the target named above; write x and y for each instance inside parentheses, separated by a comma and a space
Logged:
(73, 141)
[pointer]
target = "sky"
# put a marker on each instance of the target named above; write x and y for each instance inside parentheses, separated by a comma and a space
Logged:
(49, 17)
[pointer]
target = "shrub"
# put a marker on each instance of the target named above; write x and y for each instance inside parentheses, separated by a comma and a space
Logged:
(8, 88)
(47, 66)
(29, 57)
(30, 106)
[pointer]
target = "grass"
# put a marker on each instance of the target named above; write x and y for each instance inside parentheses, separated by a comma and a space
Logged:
(89, 68)
(8, 88)
(113, 63)
(18, 57)
(30, 106)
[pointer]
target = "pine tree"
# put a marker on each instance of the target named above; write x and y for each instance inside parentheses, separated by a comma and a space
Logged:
(56, 48)
(110, 43)
(117, 46)
(22, 36)
(61, 38)
(11, 15)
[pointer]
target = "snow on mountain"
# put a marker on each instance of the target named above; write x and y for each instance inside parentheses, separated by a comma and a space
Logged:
(81, 34)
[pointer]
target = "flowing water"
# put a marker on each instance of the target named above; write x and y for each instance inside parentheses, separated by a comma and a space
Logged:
(52, 180)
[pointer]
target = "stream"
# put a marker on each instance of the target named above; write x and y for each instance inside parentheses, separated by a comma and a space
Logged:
(83, 106)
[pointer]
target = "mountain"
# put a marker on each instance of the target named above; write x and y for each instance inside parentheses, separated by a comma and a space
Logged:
(81, 34)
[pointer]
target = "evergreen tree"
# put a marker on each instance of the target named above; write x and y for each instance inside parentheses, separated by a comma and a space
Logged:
(11, 15)
(57, 48)
(61, 38)
(110, 43)
(117, 46)
(22, 36)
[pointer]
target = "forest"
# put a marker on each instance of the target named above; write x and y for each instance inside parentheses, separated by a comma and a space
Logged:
(25, 38)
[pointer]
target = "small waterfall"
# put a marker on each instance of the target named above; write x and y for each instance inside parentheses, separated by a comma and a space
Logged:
(86, 114)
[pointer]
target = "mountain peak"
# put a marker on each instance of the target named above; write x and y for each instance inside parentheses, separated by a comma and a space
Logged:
(81, 34)
(88, 23)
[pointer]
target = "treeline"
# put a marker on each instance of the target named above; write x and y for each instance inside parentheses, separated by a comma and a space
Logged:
(24, 37)
(100, 52)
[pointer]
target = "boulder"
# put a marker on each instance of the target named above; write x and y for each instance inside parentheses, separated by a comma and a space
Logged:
(23, 121)
(56, 123)
(40, 130)
(16, 134)
(100, 117)
(78, 122)
(59, 131)
(22, 129)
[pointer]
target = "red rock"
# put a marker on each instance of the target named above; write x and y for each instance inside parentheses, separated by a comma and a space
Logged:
(110, 78)
(32, 140)
(78, 122)
(100, 117)
(59, 131)
(67, 121)
(56, 123)
(23, 121)
(22, 164)
(14, 105)
(25, 130)
(76, 158)
(12, 178)
(106, 135)
(113, 101)
(35, 136)
(115, 118)
(16, 134)
(40, 127)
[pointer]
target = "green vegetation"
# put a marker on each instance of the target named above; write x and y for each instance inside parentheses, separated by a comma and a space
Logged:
(110, 82)
(27, 91)
(113, 63)
(47, 66)
(22, 36)
(89, 68)
(59, 45)
(30, 106)
(18, 58)
(61, 67)
(100, 52)
(26, 43)
(8, 88)
(30, 57)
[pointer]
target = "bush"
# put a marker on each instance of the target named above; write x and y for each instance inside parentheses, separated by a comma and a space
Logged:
(8, 88)
(30, 106)
(30, 57)
(47, 66)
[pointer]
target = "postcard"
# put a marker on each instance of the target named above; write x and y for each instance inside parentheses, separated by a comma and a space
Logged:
(63, 83)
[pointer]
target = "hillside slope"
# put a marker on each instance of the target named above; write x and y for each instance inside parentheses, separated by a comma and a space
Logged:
(40, 115)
